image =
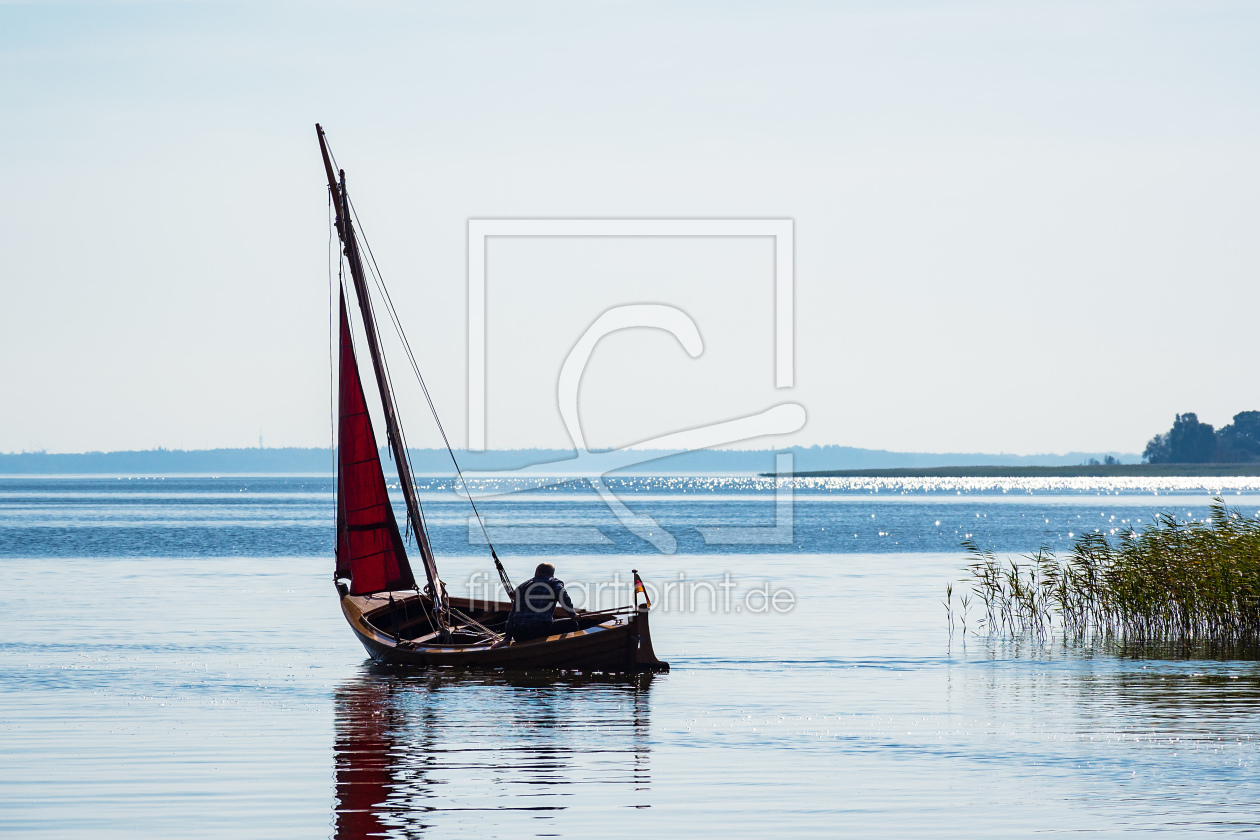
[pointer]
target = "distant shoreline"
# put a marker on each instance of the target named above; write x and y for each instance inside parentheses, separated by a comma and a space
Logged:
(312, 460)
(1101, 471)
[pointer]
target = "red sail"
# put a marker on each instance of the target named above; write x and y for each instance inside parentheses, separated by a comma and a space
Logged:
(369, 548)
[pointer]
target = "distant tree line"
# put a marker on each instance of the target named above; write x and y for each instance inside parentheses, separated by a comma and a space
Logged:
(1192, 442)
(1110, 460)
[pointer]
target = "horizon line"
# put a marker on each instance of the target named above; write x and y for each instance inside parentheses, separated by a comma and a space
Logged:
(485, 452)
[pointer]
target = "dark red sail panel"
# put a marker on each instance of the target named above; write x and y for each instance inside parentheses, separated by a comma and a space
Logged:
(369, 547)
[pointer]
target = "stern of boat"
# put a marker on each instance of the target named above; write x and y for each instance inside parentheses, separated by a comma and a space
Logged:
(642, 657)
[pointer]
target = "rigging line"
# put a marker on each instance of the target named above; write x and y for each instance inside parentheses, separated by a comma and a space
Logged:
(398, 426)
(396, 321)
(332, 372)
(393, 313)
(406, 517)
(402, 438)
(440, 596)
(437, 597)
(389, 383)
(475, 623)
(376, 278)
(375, 270)
(383, 290)
(385, 362)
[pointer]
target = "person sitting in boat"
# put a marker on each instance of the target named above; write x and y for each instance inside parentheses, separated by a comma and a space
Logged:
(534, 607)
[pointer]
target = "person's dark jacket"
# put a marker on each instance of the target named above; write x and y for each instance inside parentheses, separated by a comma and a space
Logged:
(536, 600)
(534, 606)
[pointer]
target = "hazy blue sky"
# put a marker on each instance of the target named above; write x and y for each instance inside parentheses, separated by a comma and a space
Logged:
(1020, 227)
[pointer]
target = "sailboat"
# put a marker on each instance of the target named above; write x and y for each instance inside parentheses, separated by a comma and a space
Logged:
(397, 621)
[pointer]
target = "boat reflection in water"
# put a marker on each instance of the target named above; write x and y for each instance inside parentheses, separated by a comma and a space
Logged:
(417, 750)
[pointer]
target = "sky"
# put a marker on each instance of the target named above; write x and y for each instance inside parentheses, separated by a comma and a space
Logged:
(1016, 227)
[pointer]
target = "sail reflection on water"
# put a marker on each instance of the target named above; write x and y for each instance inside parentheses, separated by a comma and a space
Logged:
(413, 748)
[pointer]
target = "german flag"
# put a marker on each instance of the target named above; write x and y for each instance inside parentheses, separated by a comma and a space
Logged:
(639, 590)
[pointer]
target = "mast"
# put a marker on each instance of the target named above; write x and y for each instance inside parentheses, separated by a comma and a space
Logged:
(350, 246)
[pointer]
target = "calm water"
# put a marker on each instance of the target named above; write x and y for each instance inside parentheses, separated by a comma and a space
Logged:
(174, 663)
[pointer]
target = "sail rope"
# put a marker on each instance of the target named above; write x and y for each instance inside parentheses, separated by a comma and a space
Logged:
(378, 279)
(402, 434)
(477, 624)
(438, 591)
(374, 270)
(332, 353)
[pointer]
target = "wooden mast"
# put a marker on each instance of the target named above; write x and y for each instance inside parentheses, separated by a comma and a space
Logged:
(350, 246)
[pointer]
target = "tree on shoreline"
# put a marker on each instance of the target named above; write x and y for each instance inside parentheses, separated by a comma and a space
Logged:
(1192, 442)
(1239, 442)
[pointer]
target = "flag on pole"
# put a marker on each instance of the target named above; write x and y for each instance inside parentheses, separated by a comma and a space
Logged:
(639, 590)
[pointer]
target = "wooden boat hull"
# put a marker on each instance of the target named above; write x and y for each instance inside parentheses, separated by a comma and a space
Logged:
(617, 645)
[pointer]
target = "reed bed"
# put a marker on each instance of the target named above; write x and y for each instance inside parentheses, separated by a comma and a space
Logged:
(1172, 581)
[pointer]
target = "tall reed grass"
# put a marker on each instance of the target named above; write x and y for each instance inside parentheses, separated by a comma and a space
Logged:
(1174, 580)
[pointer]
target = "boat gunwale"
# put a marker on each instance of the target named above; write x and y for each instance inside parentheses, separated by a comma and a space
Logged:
(602, 642)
